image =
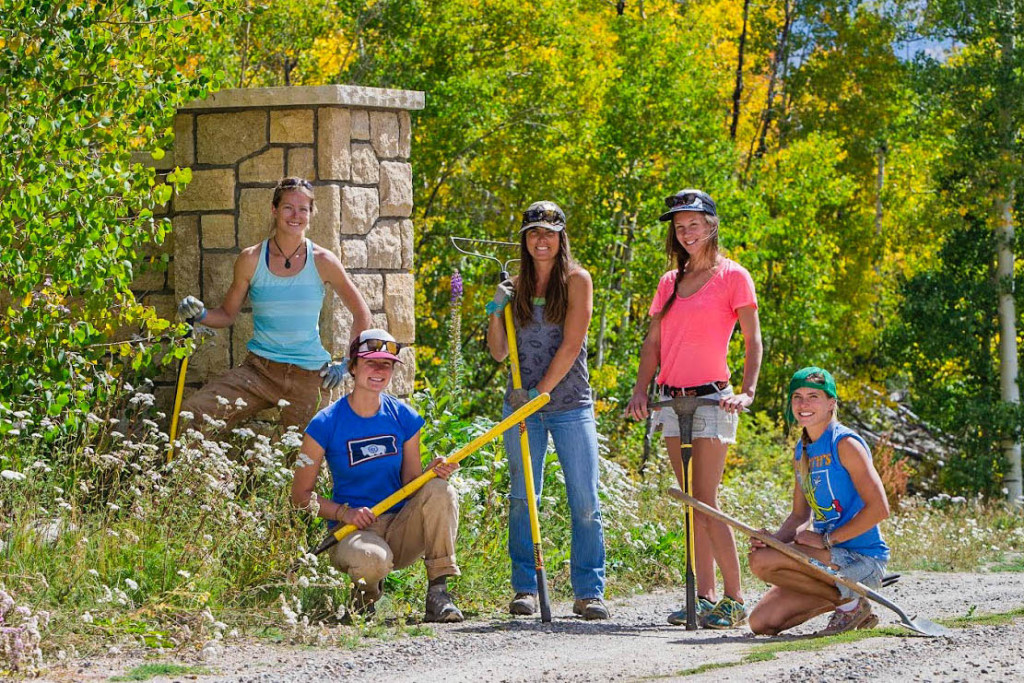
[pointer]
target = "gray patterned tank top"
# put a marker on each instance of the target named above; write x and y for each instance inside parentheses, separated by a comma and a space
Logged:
(538, 342)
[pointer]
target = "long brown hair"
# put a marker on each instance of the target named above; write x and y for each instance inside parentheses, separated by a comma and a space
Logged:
(556, 296)
(677, 253)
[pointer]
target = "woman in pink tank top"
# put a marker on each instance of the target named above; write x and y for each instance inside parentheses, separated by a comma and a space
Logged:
(693, 315)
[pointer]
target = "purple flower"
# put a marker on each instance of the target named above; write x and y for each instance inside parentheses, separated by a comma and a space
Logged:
(456, 286)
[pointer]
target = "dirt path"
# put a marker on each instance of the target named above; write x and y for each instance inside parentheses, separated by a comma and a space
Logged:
(637, 644)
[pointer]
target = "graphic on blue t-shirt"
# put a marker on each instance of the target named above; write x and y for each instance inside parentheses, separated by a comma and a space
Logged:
(821, 498)
(370, 448)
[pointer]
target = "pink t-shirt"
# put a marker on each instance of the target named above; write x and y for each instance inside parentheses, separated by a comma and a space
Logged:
(695, 332)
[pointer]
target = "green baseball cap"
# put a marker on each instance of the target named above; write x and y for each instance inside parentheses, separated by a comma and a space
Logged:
(800, 381)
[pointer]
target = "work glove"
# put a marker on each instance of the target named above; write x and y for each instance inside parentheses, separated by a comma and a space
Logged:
(334, 374)
(520, 397)
(502, 295)
(192, 309)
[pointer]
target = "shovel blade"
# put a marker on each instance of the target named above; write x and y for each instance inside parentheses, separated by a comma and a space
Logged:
(925, 627)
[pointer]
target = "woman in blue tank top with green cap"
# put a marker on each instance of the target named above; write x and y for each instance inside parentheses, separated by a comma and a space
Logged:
(552, 302)
(838, 503)
(284, 278)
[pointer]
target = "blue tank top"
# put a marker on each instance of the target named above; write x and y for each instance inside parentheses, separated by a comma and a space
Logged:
(286, 314)
(830, 492)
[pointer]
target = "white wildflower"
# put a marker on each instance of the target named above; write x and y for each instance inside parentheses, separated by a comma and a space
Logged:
(86, 618)
(283, 403)
(93, 572)
(184, 574)
(131, 584)
(11, 475)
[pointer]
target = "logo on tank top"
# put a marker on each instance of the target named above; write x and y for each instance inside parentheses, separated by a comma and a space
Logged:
(817, 488)
(371, 448)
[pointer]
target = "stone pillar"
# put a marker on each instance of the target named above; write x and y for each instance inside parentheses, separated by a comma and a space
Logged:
(353, 144)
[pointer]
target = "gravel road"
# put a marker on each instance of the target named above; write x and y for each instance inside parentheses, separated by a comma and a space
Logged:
(637, 644)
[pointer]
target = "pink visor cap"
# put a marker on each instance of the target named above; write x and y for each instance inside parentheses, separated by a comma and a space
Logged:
(375, 343)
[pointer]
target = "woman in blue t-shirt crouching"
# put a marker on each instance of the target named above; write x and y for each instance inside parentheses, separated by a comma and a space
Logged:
(371, 442)
(838, 502)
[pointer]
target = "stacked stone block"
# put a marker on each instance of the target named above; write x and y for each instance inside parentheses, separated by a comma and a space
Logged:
(353, 144)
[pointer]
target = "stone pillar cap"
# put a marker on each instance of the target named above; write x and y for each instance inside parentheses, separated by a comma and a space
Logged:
(304, 96)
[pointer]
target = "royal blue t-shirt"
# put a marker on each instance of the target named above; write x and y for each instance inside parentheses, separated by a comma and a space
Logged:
(365, 453)
(830, 492)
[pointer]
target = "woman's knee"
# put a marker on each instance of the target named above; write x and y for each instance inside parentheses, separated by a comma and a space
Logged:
(760, 623)
(762, 562)
(439, 493)
(367, 561)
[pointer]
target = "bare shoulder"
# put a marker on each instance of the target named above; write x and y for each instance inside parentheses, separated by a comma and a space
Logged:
(852, 450)
(579, 277)
(323, 256)
(248, 258)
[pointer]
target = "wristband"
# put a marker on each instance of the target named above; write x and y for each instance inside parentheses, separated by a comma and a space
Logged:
(202, 316)
(339, 512)
(826, 540)
(494, 308)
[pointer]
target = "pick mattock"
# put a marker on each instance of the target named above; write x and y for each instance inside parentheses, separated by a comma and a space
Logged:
(178, 391)
(417, 483)
(823, 571)
(524, 441)
(685, 407)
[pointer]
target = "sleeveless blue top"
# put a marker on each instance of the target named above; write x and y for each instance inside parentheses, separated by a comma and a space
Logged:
(286, 314)
(830, 492)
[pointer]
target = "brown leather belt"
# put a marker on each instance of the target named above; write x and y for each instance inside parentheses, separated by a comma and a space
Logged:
(699, 390)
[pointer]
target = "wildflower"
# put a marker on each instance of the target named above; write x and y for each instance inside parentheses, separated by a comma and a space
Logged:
(283, 403)
(86, 618)
(184, 574)
(93, 572)
(240, 402)
(131, 584)
(11, 475)
(222, 401)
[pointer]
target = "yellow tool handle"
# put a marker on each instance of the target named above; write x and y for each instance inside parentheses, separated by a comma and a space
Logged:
(474, 445)
(177, 407)
(524, 438)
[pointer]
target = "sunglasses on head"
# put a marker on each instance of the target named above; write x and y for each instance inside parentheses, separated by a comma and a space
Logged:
(371, 345)
(295, 182)
(543, 216)
(685, 199)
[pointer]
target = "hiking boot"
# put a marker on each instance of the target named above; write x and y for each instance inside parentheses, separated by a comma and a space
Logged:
(728, 613)
(704, 607)
(440, 608)
(523, 605)
(590, 608)
(860, 616)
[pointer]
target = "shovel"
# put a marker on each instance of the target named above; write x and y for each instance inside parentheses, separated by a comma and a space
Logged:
(918, 625)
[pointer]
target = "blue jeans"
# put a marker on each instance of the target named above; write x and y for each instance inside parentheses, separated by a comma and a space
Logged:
(575, 435)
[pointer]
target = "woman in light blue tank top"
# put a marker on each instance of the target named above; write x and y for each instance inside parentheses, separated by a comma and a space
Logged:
(838, 503)
(283, 278)
(552, 307)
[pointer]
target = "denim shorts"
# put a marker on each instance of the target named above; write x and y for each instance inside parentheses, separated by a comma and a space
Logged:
(709, 422)
(857, 567)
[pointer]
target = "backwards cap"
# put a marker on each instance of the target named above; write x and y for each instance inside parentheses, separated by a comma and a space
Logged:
(801, 381)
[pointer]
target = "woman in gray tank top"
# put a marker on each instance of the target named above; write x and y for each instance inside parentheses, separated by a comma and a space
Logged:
(552, 302)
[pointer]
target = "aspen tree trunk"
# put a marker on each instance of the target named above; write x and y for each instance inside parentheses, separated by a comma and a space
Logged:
(1008, 388)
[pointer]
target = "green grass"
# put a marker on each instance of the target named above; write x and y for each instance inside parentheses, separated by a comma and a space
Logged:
(992, 619)
(144, 672)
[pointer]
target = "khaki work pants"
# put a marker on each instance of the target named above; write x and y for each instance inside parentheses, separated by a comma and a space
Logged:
(261, 383)
(426, 527)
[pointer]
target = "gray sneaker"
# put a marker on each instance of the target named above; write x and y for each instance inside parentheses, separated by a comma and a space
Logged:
(860, 616)
(523, 605)
(440, 608)
(590, 608)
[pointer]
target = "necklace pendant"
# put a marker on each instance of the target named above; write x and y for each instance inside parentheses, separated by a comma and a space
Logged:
(287, 263)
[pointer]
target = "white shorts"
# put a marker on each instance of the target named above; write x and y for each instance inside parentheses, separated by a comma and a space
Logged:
(709, 422)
